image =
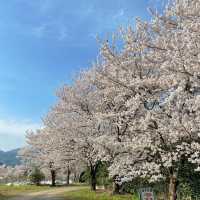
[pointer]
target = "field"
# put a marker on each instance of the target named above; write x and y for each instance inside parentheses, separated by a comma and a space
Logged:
(86, 194)
(10, 191)
(65, 193)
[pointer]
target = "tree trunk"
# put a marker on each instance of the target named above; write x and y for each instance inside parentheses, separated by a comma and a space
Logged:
(173, 187)
(116, 188)
(93, 180)
(93, 172)
(75, 178)
(53, 178)
(68, 176)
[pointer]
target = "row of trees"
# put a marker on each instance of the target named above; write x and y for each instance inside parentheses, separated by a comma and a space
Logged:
(137, 108)
(23, 174)
(45, 154)
(12, 174)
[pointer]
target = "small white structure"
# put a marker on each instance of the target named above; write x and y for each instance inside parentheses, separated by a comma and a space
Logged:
(146, 194)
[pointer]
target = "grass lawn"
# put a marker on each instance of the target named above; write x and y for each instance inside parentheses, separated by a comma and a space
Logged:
(10, 191)
(86, 194)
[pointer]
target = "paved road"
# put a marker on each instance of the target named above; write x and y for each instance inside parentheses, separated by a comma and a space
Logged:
(54, 194)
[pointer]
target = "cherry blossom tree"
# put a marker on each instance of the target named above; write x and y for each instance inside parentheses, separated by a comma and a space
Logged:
(17, 173)
(137, 108)
(151, 93)
(73, 117)
(41, 153)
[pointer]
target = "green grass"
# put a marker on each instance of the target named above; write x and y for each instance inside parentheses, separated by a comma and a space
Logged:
(86, 194)
(10, 191)
(83, 193)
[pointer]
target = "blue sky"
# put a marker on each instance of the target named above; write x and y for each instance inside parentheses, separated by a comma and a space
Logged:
(43, 44)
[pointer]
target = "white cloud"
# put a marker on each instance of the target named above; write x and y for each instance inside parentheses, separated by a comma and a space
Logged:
(40, 31)
(119, 14)
(16, 128)
(52, 29)
(63, 34)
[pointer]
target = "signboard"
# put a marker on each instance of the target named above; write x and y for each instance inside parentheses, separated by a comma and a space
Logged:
(146, 194)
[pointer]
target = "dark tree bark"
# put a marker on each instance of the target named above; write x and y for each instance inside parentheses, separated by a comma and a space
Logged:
(116, 188)
(76, 178)
(68, 175)
(93, 175)
(53, 178)
(93, 180)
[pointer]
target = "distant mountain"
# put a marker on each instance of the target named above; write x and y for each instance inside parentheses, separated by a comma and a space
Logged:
(9, 157)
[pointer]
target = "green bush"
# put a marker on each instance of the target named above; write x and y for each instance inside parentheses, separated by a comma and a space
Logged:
(36, 176)
(102, 175)
(189, 181)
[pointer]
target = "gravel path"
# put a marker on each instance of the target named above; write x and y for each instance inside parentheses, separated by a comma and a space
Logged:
(54, 194)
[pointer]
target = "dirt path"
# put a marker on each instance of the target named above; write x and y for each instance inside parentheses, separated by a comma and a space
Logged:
(54, 194)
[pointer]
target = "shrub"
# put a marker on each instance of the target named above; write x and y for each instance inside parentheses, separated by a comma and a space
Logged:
(36, 176)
